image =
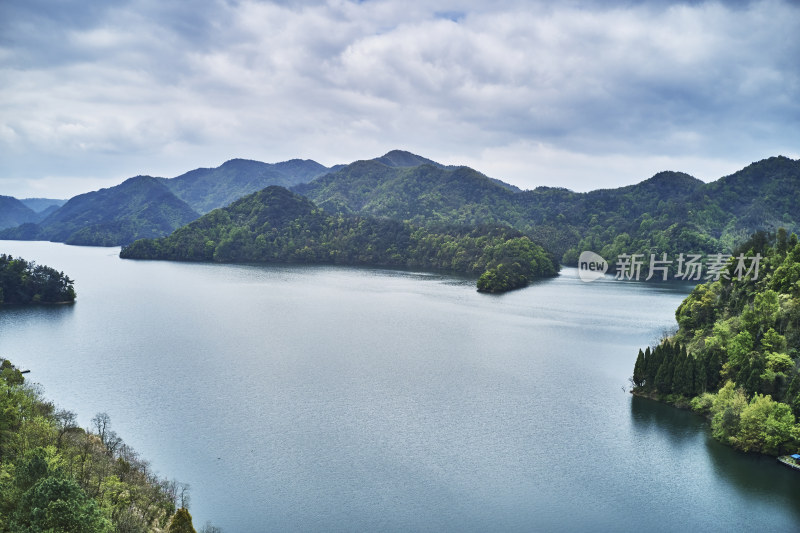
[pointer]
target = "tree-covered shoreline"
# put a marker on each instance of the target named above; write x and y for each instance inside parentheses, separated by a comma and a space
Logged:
(735, 355)
(25, 282)
(275, 225)
(56, 476)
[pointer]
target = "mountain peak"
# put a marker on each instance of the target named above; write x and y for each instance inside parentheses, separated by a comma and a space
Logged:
(401, 158)
(674, 181)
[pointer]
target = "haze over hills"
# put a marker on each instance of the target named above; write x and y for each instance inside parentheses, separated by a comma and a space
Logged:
(140, 206)
(13, 212)
(145, 207)
(205, 189)
(41, 205)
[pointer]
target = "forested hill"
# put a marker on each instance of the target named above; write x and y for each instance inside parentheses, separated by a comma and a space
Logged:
(205, 189)
(276, 225)
(419, 194)
(401, 158)
(670, 212)
(139, 207)
(736, 353)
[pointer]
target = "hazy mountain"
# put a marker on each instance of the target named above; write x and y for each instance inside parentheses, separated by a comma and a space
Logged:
(42, 204)
(13, 212)
(139, 207)
(147, 207)
(205, 189)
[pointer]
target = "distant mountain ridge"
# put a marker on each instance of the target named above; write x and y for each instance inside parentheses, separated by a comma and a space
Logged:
(145, 207)
(13, 212)
(140, 206)
(41, 205)
(670, 212)
(205, 189)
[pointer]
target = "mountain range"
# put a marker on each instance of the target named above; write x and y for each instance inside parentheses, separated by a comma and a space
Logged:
(670, 212)
(204, 189)
(144, 206)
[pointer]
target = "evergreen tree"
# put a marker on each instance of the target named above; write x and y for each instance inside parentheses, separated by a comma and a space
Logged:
(639, 370)
(181, 522)
(699, 381)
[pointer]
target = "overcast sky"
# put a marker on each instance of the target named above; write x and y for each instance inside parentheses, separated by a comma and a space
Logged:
(574, 94)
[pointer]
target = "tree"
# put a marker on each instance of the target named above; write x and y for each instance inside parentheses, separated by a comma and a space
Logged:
(764, 426)
(638, 370)
(726, 412)
(58, 504)
(181, 522)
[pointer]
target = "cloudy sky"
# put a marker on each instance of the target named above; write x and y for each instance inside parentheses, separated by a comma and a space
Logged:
(575, 94)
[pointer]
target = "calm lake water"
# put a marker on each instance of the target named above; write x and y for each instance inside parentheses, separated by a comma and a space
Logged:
(334, 399)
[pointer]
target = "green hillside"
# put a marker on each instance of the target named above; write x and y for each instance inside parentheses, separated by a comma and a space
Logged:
(276, 225)
(671, 212)
(735, 355)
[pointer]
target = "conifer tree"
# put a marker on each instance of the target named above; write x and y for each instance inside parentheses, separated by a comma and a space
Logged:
(181, 522)
(639, 370)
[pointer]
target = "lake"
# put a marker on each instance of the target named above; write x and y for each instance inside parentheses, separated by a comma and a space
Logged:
(341, 399)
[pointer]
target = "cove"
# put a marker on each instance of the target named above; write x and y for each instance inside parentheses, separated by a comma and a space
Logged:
(298, 398)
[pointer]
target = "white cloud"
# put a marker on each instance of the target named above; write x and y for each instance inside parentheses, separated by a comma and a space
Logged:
(582, 92)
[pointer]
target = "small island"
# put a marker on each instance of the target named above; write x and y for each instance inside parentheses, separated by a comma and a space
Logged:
(25, 282)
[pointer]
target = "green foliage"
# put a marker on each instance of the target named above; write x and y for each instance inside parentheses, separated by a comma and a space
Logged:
(276, 225)
(669, 213)
(58, 504)
(23, 282)
(57, 477)
(181, 522)
(743, 340)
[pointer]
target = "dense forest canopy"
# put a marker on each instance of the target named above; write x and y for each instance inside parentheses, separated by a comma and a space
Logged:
(276, 225)
(735, 355)
(671, 212)
(23, 282)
